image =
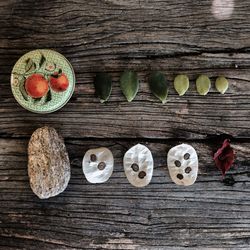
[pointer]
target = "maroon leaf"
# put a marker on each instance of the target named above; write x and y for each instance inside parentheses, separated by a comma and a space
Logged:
(224, 157)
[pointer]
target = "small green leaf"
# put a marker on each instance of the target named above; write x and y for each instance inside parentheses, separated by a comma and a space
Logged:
(203, 84)
(48, 97)
(221, 84)
(159, 86)
(30, 65)
(129, 83)
(23, 90)
(181, 84)
(42, 61)
(103, 86)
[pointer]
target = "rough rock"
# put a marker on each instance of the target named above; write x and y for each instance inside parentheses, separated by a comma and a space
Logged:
(48, 163)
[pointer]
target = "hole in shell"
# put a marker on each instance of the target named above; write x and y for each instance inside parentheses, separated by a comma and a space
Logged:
(135, 167)
(179, 176)
(177, 163)
(93, 157)
(101, 165)
(186, 156)
(142, 174)
(188, 170)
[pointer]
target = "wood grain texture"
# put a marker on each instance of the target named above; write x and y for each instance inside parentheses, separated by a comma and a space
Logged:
(112, 35)
(115, 215)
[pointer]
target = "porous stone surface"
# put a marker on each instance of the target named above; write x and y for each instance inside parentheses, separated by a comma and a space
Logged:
(48, 163)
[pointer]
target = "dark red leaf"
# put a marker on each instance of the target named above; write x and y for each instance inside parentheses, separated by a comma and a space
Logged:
(224, 157)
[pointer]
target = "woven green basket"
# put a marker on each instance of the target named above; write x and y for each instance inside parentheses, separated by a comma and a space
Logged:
(45, 62)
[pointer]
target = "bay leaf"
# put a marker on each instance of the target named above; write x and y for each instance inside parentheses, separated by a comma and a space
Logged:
(129, 84)
(158, 85)
(221, 84)
(181, 84)
(103, 86)
(203, 84)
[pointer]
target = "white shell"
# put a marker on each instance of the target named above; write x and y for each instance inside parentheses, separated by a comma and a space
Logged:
(90, 168)
(177, 154)
(140, 155)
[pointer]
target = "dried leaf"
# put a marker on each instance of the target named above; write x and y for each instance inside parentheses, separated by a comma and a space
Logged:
(30, 65)
(203, 84)
(181, 84)
(129, 83)
(103, 86)
(159, 86)
(221, 84)
(224, 157)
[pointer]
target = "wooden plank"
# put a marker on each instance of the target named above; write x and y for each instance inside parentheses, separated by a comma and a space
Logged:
(111, 36)
(123, 27)
(191, 116)
(115, 215)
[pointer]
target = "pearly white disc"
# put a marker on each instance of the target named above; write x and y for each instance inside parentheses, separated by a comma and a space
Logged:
(183, 164)
(92, 172)
(141, 157)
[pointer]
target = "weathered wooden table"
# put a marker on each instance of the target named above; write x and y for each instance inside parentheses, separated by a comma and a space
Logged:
(189, 37)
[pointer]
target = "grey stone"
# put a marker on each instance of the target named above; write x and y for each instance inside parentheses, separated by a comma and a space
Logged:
(48, 163)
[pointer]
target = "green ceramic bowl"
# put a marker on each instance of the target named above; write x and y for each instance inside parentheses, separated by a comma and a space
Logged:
(44, 62)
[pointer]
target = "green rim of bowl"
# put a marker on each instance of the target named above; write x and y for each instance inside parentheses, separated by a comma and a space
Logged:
(45, 62)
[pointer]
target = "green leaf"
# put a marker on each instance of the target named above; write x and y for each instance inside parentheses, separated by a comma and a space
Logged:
(23, 90)
(221, 84)
(181, 84)
(159, 86)
(48, 97)
(42, 61)
(103, 86)
(129, 83)
(30, 65)
(203, 84)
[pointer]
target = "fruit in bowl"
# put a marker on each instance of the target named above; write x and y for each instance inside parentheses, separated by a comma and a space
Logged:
(36, 86)
(59, 82)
